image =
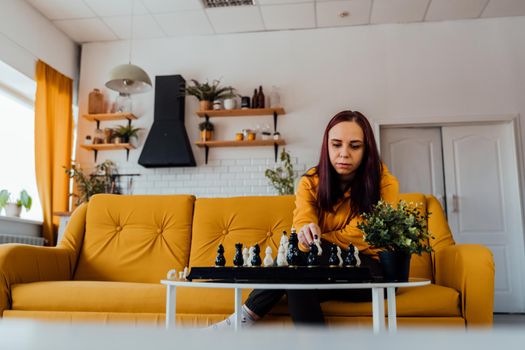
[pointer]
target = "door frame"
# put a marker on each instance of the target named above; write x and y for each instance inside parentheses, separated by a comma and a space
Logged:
(465, 120)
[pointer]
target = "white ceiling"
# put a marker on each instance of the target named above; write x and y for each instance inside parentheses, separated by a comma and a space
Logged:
(106, 20)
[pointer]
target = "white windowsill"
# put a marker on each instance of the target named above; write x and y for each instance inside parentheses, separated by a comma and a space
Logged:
(20, 220)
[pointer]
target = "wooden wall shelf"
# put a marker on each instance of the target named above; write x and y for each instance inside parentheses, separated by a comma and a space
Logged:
(109, 147)
(241, 112)
(233, 143)
(255, 143)
(109, 116)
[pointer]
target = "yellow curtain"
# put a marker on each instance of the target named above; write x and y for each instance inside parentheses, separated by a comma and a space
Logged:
(53, 143)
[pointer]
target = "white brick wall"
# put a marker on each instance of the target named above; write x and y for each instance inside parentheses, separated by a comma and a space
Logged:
(219, 178)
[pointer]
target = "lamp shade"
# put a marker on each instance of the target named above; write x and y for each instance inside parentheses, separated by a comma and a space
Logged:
(129, 79)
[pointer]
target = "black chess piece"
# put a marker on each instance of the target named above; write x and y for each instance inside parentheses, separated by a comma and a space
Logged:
(293, 254)
(350, 259)
(313, 259)
(333, 260)
(238, 260)
(220, 260)
(256, 259)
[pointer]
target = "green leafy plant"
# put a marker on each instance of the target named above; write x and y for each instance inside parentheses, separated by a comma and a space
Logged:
(23, 200)
(209, 92)
(282, 177)
(206, 125)
(126, 132)
(397, 229)
(101, 180)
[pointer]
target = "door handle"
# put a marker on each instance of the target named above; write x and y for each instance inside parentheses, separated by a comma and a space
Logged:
(455, 203)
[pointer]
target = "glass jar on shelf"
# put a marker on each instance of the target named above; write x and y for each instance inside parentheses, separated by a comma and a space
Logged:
(123, 103)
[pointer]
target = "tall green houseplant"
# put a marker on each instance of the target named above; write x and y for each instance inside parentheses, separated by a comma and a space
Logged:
(282, 177)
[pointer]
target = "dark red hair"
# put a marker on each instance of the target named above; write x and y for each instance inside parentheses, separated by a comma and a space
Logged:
(365, 187)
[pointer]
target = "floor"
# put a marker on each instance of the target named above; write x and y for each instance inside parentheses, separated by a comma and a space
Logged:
(509, 320)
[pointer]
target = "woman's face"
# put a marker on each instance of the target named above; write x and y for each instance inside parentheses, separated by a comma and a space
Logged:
(346, 148)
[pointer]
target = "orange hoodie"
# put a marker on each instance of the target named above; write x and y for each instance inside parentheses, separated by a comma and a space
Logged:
(335, 226)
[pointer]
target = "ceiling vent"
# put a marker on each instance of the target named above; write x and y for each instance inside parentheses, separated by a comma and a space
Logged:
(226, 3)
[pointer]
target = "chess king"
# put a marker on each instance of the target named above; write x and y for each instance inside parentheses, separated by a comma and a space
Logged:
(348, 180)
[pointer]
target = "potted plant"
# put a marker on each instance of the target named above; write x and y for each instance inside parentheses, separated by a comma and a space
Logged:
(101, 180)
(282, 177)
(206, 129)
(399, 232)
(125, 134)
(13, 207)
(207, 93)
(229, 99)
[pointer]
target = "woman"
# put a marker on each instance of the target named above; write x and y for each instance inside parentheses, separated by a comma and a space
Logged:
(348, 181)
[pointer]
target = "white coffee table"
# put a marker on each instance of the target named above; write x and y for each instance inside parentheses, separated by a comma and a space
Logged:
(378, 308)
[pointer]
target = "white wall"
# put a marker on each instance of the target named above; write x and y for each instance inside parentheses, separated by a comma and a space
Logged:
(421, 70)
(26, 35)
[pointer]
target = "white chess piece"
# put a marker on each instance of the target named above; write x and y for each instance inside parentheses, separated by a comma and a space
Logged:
(356, 256)
(245, 255)
(251, 254)
(268, 260)
(185, 273)
(317, 242)
(172, 274)
(281, 257)
(284, 240)
(339, 256)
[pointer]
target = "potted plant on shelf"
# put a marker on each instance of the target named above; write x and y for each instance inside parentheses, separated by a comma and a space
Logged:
(229, 100)
(282, 178)
(126, 134)
(13, 208)
(206, 129)
(207, 93)
(399, 232)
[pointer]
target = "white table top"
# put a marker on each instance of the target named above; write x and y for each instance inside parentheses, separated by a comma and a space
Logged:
(413, 282)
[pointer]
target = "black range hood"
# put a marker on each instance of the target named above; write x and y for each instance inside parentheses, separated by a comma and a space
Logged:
(167, 144)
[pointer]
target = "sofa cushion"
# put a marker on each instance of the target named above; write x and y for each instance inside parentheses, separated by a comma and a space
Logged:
(420, 266)
(135, 238)
(247, 220)
(432, 300)
(125, 297)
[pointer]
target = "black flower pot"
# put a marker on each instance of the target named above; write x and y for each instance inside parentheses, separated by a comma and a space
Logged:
(396, 266)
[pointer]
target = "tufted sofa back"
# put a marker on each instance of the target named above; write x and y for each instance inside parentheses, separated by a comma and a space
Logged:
(135, 238)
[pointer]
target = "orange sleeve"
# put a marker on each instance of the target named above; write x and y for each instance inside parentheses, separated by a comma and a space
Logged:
(350, 233)
(305, 211)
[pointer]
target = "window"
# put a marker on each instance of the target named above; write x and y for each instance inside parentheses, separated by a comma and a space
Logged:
(17, 154)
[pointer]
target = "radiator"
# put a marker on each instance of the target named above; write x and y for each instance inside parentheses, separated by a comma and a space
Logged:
(21, 239)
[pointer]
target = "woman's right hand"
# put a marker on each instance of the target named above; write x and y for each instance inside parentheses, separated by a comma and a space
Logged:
(308, 234)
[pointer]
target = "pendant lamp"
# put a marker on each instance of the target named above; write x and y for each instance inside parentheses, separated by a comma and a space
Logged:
(128, 78)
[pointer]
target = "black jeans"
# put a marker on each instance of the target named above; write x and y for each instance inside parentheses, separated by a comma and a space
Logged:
(305, 305)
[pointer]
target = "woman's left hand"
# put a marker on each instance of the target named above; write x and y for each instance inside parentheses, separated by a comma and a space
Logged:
(308, 234)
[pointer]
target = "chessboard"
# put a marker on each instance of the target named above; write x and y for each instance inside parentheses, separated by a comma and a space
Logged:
(282, 274)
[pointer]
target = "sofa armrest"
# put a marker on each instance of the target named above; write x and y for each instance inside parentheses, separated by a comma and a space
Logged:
(469, 269)
(21, 263)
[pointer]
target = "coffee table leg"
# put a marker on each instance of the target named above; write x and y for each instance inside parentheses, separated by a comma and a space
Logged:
(378, 309)
(171, 301)
(392, 321)
(238, 311)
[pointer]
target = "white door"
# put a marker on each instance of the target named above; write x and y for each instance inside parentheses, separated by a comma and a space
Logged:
(414, 156)
(481, 180)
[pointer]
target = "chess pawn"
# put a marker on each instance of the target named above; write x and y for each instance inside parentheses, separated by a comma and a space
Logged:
(339, 256)
(357, 259)
(281, 257)
(293, 255)
(350, 258)
(245, 255)
(268, 260)
(251, 254)
(312, 259)
(256, 259)
(333, 260)
(220, 260)
(284, 240)
(238, 259)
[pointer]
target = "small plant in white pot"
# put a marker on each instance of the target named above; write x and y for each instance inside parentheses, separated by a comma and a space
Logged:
(13, 208)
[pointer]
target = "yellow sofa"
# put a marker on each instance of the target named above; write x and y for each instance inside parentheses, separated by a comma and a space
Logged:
(116, 249)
